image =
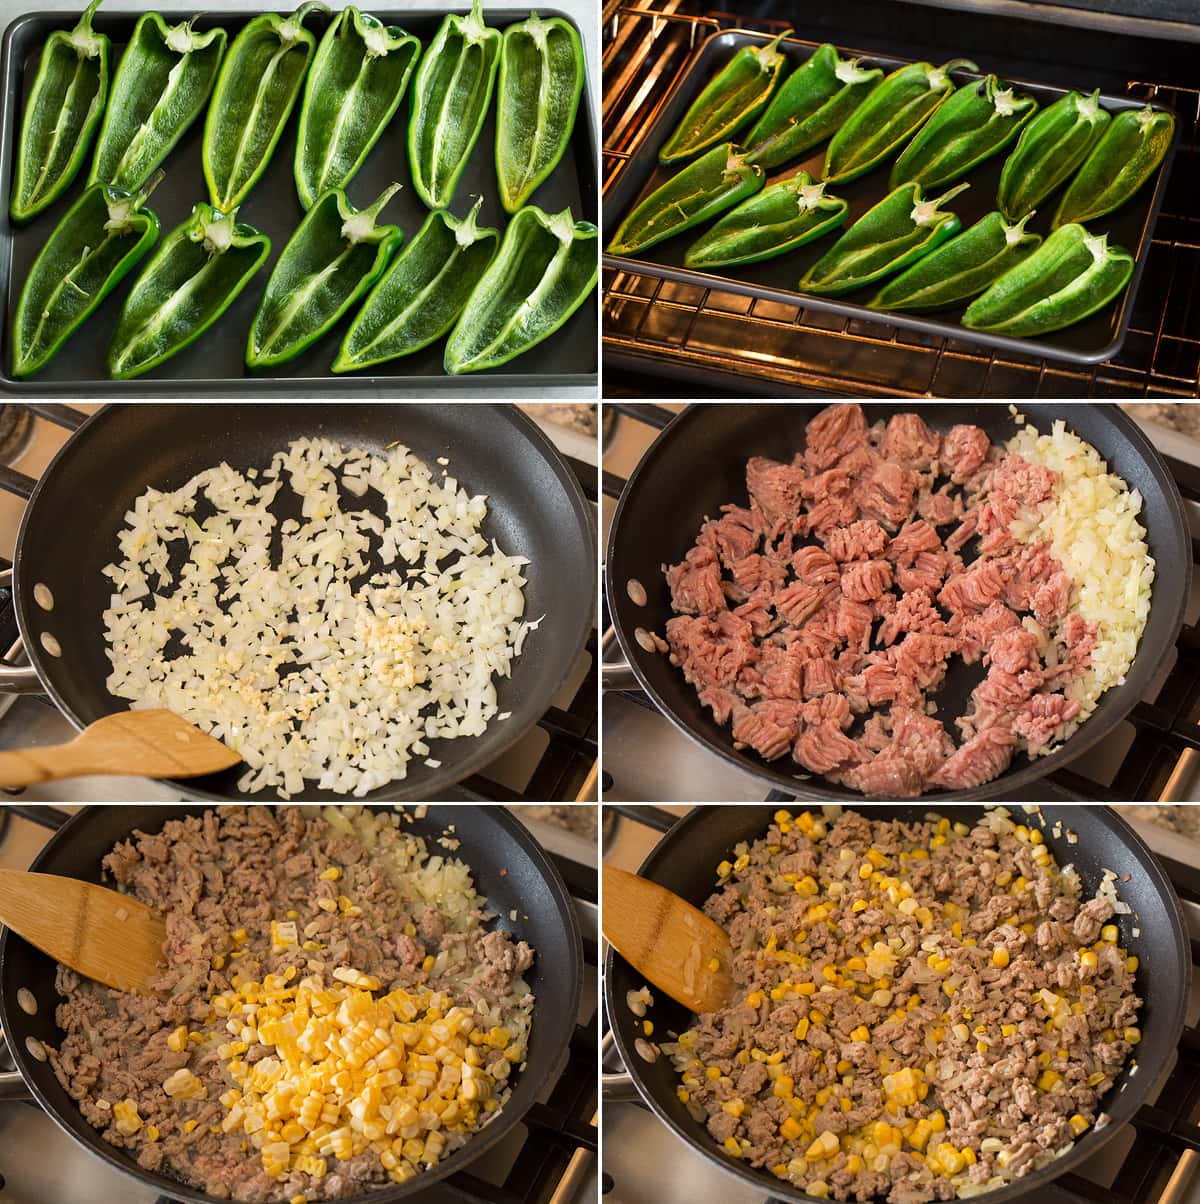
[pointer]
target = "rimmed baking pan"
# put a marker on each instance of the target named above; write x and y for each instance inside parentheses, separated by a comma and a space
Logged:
(215, 365)
(1095, 339)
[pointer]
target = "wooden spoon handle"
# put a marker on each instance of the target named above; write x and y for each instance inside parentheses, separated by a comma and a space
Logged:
(29, 766)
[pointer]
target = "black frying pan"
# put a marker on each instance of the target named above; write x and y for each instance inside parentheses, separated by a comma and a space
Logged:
(535, 509)
(509, 869)
(685, 861)
(698, 463)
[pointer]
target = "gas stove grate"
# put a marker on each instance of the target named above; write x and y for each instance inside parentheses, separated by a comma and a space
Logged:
(1165, 749)
(723, 341)
(1159, 1166)
(568, 766)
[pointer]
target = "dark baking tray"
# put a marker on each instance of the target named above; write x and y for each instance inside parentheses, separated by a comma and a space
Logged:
(1097, 338)
(214, 364)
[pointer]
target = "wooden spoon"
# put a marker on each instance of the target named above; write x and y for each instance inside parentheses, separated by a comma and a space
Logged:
(96, 932)
(148, 744)
(668, 941)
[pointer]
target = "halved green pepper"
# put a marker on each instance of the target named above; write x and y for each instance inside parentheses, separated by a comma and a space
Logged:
(896, 232)
(336, 254)
(544, 271)
(537, 97)
(423, 291)
(65, 105)
(1071, 275)
(191, 280)
(449, 100)
(888, 118)
(100, 238)
(713, 183)
(814, 100)
(1049, 150)
(780, 218)
(354, 87)
(732, 99)
(162, 83)
(1126, 156)
(977, 121)
(962, 268)
(256, 90)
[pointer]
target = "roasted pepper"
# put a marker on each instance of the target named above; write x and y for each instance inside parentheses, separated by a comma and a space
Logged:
(814, 100)
(896, 232)
(713, 183)
(335, 256)
(423, 291)
(780, 218)
(976, 121)
(544, 271)
(255, 93)
(889, 117)
(449, 100)
(961, 268)
(191, 280)
(100, 238)
(65, 105)
(1049, 150)
(732, 99)
(354, 87)
(537, 97)
(1071, 275)
(1127, 155)
(161, 84)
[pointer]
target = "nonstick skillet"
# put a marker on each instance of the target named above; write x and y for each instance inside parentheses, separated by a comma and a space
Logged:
(69, 530)
(509, 869)
(698, 463)
(685, 861)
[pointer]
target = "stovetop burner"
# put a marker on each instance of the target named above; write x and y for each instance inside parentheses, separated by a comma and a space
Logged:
(16, 430)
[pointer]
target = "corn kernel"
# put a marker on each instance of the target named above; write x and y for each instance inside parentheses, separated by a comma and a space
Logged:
(1078, 1124)
(1110, 934)
(1048, 1079)
(1132, 1035)
(1000, 957)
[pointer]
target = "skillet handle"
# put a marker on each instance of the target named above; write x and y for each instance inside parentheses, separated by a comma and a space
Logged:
(615, 674)
(615, 1088)
(13, 1087)
(20, 679)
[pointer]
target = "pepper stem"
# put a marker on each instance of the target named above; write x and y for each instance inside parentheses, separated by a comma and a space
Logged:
(851, 71)
(767, 54)
(1013, 234)
(361, 224)
(473, 25)
(1097, 244)
(924, 212)
(125, 204)
(289, 30)
(1145, 117)
(562, 226)
(939, 77)
(215, 230)
(810, 195)
(1089, 106)
(467, 231)
(87, 44)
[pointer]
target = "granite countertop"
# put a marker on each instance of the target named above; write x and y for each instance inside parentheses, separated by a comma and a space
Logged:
(1177, 416)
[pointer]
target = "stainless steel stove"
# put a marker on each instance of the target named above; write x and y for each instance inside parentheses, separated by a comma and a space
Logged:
(556, 760)
(1153, 1161)
(1154, 755)
(547, 1159)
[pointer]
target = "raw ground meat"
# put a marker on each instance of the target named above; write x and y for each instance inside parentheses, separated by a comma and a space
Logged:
(905, 994)
(865, 568)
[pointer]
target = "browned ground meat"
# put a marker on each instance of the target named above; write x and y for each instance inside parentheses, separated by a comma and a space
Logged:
(233, 869)
(919, 1008)
(865, 567)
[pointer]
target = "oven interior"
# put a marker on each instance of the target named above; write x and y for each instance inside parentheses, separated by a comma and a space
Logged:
(667, 339)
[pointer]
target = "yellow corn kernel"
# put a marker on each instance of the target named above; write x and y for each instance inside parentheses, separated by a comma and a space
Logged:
(1078, 1124)
(735, 1107)
(125, 1117)
(1089, 959)
(713, 1072)
(950, 989)
(1007, 1030)
(714, 964)
(825, 1146)
(968, 1156)
(818, 1189)
(920, 1134)
(332, 874)
(152, 1132)
(937, 1121)
(790, 1129)
(948, 1158)
(741, 862)
(862, 1033)
(178, 1040)
(647, 1028)
(1000, 957)
(1132, 1035)
(1110, 934)
(754, 999)
(807, 886)
(1048, 1079)
(937, 842)
(859, 905)
(801, 1029)
(1131, 964)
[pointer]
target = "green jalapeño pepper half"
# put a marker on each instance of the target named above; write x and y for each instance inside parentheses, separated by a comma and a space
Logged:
(335, 256)
(65, 106)
(732, 99)
(162, 82)
(1126, 156)
(354, 87)
(977, 121)
(1049, 150)
(1071, 275)
(713, 183)
(537, 97)
(450, 98)
(814, 100)
(898, 231)
(100, 238)
(961, 268)
(256, 91)
(191, 280)
(780, 218)
(888, 118)
(544, 271)
(423, 291)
